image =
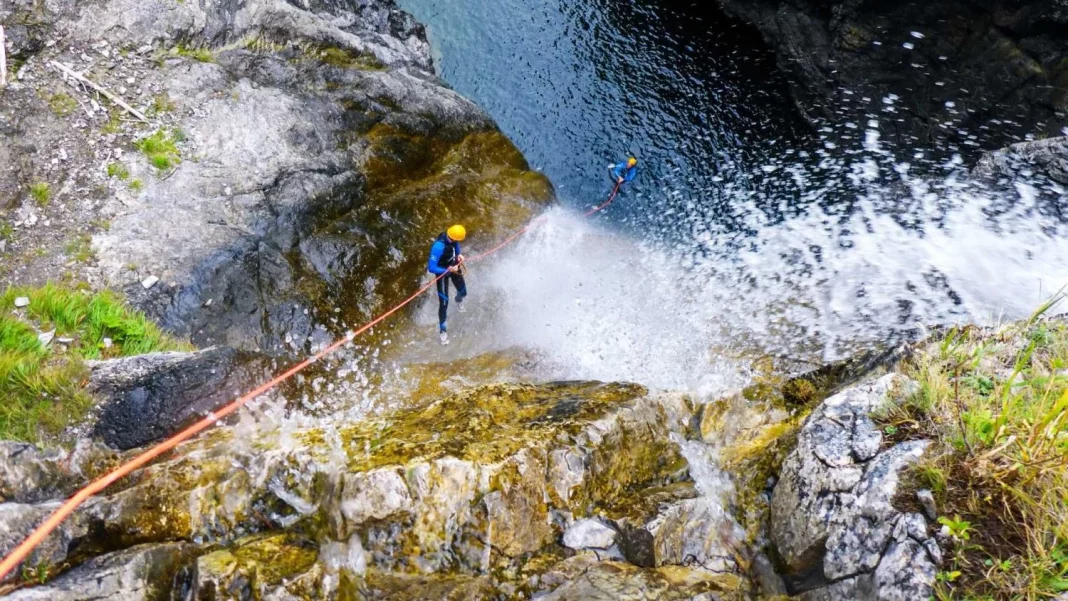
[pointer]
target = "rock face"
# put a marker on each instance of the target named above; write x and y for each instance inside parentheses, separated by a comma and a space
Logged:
(151, 396)
(143, 573)
(832, 522)
(299, 161)
(939, 66)
(1044, 161)
(503, 475)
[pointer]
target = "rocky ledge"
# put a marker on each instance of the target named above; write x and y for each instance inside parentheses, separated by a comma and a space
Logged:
(572, 491)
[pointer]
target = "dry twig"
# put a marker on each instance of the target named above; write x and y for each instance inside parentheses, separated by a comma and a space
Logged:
(3, 58)
(69, 72)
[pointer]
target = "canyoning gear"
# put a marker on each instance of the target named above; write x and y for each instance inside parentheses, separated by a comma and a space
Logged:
(457, 233)
(460, 307)
(445, 253)
(446, 262)
(625, 172)
(444, 339)
(443, 296)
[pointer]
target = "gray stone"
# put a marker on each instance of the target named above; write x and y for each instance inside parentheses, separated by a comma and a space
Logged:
(1047, 158)
(22, 301)
(148, 397)
(927, 501)
(142, 573)
(832, 518)
(29, 474)
(589, 534)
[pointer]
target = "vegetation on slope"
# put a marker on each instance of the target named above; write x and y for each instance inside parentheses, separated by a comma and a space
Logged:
(42, 382)
(994, 402)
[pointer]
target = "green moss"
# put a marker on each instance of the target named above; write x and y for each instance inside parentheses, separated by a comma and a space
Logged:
(114, 124)
(343, 58)
(161, 104)
(161, 148)
(137, 185)
(203, 55)
(41, 193)
(43, 386)
(485, 424)
(62, 104)
(81, 248)
(117, 169)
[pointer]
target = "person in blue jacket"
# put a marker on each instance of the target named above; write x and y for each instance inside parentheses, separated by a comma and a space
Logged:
(445, 263)
(624, 173)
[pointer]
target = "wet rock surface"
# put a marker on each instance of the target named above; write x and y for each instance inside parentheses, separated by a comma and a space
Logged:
(29, 474)
(143, 573)
(1040, 160)
(832, 522)
(300, 158)
(148, 397)
(961, 63)
(505, 474)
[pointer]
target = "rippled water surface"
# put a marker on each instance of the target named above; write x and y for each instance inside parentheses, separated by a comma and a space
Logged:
(747, 228)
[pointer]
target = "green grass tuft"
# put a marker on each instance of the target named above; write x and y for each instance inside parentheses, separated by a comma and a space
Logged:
(43, 387)
(117, 169)
(995, 404)
(137, 185)
(62, 104)
(203, 55)
(41, 193)
(161, 148)
(81, 248)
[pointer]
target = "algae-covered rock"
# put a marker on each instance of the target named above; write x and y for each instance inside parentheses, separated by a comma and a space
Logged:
(585, 578)
(467, 482)
(252, 567)
(29, 474)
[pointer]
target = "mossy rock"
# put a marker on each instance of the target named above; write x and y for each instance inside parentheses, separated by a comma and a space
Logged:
(252, 565)
(484, 424)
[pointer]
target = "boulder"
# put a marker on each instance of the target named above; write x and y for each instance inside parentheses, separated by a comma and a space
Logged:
(149, 397)
(1042, 160)
(589, 534)
(142, 573)
(29, 474)
(832, 521)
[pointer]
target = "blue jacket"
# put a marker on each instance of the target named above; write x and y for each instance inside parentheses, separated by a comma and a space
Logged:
(627, 173)
(442, 255)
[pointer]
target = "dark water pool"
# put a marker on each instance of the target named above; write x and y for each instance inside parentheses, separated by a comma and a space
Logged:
(580, 84)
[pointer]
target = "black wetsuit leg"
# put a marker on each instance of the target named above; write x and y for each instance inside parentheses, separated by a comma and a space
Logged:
(443, 301)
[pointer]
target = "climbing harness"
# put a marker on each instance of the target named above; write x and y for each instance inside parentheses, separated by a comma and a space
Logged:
(99, 485)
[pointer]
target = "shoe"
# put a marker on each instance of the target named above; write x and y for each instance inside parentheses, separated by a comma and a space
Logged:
(444, 338)
(460, 308)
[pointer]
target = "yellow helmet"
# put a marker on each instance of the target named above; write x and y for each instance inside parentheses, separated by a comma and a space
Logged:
(632, 162)
(457, 232)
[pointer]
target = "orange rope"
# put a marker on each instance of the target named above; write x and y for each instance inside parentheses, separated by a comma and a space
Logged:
(37, 537)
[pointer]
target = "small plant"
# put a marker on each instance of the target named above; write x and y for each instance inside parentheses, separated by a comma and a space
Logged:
(958, 528)
(161, 104)
(947, 576)
(43, 389)
(203, 55)
(41, 193)
(137, 185)
(890, 430)
(62, 104)
(114, 124)
(81, 248)
(7, 231)
(117, 169)
(161, 148)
